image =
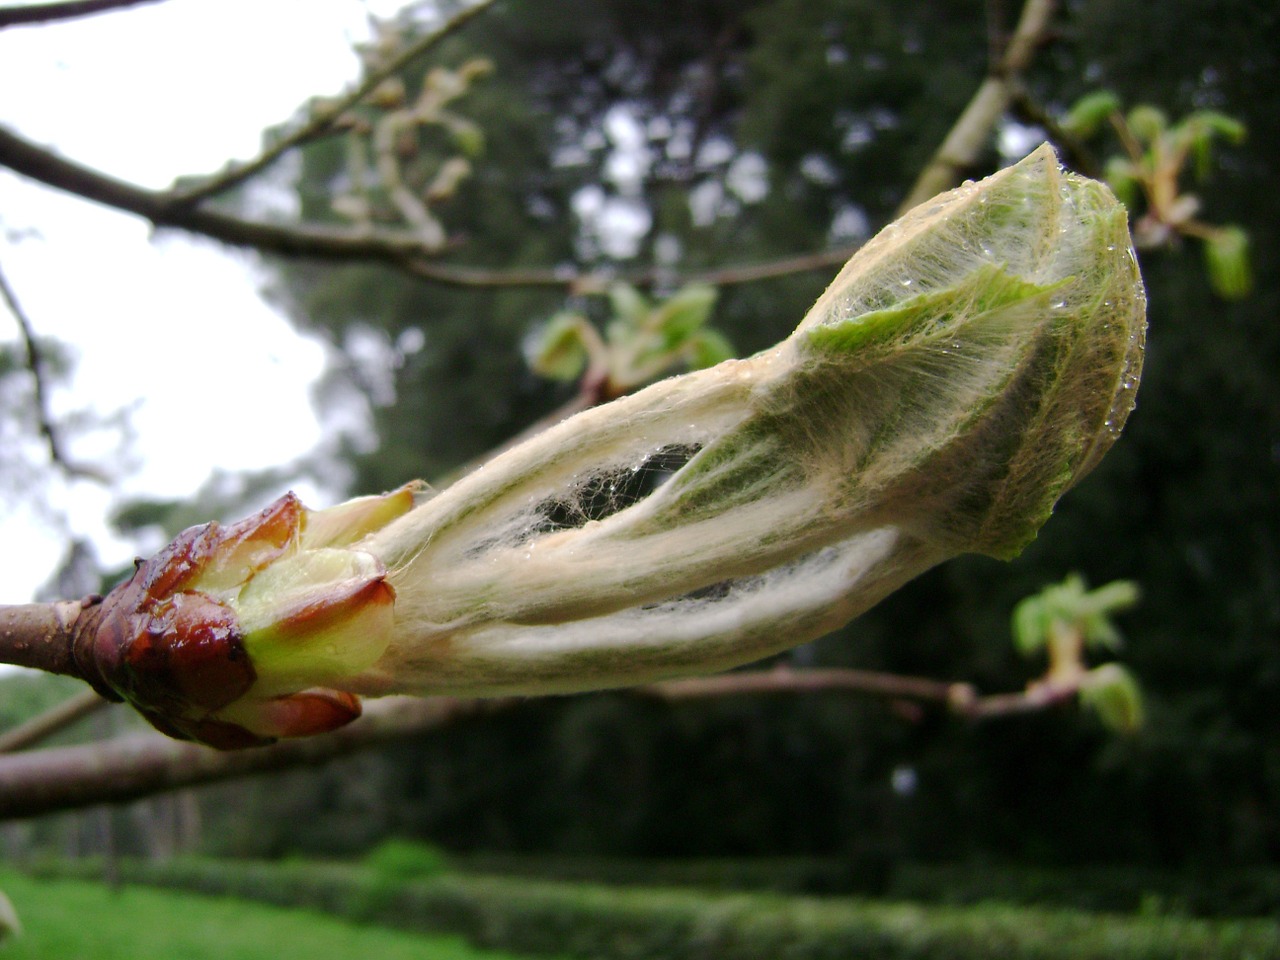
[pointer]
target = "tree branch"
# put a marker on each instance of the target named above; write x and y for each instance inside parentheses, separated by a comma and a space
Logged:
(49, 12)
(163, 210)
(411, 252)
(786, 680)
(960, 149)
(599, 281)
(400, 248)
(35, 363)
(41, 635)
(57, 718)
(116, 771)
(323, 119)
(127, 768)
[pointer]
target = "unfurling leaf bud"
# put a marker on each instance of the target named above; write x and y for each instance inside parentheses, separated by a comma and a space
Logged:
(966, 367)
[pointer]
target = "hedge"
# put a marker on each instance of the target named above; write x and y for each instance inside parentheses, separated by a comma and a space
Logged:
(1235, 892)
(610, 923)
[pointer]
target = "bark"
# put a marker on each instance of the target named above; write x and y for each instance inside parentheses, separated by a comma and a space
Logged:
(37, 13)
(40, 635)
(135, 766)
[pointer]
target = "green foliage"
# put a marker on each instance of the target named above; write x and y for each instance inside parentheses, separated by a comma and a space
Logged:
(605, 922)
(68, 918)
(1089, 113)
(1114, 695)
(404, 860)
(643, 340)
(1226, 254)
(1071, 606)
(1109, 888)
(1145, 177)
(559, 350)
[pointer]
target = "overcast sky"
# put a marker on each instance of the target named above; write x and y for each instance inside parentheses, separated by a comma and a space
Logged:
(172, 328)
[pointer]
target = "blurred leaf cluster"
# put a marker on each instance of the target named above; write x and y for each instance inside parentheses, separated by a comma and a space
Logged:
(1065, 620)
(642, 341)
(1157, 155)
(408, 154)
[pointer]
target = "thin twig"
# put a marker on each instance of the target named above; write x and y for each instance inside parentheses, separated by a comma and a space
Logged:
(131, 767)
(45, 725)
(322, 119)
(963, 144)
(786, 680)
(589, 282)
(400, 248)
(36, 13)
(35, 364)
(958, 697)
(159, 207)
(40, 635)
(39, 376)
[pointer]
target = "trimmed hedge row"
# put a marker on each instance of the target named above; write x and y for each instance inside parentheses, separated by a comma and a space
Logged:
(1117, 889)
(607, 923)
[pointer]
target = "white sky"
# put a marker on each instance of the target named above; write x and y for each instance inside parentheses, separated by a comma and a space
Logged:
(172, 328)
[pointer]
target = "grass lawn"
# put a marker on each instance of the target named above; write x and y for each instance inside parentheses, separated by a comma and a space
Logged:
(72, 920)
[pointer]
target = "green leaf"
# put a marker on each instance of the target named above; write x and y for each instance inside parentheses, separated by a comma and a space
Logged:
(1198, 131)
(1123, 180)
(681, 315)
(1147, 123)
(1090, 112)
(629, 305)
(1226, 256)
(1114, 597)
(1030, 625)
(1099, 632)
(706, 348)
(1113, 693)
(558, 351)
(1218, 124)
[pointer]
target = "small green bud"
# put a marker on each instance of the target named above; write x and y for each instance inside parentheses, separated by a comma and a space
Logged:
(683, 314)
(1090, 112)
(1226, 255)
(1148, 123)
(1111, 691)
(630, 307)
(557, 350)
(1123, 180)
